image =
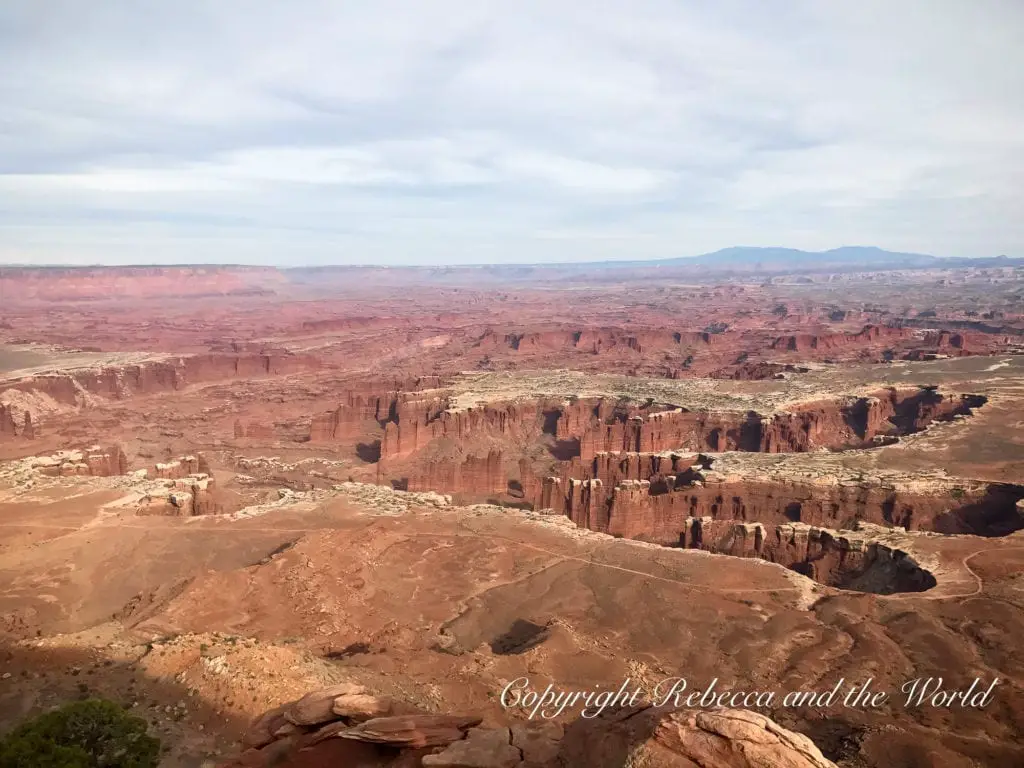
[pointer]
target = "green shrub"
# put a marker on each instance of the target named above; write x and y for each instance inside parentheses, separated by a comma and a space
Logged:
(85, 734)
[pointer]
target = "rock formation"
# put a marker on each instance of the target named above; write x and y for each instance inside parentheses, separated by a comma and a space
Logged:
(181, 487)
(368, 407)
(7, 425)
(184, 466)
(94, 461)
(420, 420)
(185, 496)
(346, 725)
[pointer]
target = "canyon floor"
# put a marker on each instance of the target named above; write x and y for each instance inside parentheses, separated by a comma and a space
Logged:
(223, 488)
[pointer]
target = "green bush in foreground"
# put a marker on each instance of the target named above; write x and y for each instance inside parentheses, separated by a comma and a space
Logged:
(85, 734)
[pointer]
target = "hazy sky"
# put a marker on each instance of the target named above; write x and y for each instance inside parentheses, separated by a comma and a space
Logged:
(455, 131)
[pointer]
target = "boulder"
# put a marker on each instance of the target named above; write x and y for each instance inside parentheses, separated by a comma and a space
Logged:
(318, 707)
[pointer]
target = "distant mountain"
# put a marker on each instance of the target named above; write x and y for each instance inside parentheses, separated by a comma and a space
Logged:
(747, 259)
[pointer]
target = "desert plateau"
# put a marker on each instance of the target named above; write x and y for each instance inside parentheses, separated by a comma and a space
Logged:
(512, 385)
(224, 489)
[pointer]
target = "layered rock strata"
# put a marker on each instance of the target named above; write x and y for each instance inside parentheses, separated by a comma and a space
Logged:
(586, 427)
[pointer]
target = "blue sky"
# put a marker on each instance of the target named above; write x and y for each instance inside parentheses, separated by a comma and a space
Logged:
(447, 131)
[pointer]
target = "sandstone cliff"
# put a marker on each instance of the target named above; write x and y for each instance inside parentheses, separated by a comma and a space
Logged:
(802, 342)
(369, 406)
(475, 475)
(850, 422)
(653, 496)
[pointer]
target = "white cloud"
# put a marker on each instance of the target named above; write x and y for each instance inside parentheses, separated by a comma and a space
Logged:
(407, 132)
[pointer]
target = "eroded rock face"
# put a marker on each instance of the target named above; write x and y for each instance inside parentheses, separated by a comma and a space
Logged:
(833, 424)
(367, 407)
(343, 725)
(410, 421)
(472, 475)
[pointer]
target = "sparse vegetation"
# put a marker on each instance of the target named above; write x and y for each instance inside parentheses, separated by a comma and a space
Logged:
(85, 734)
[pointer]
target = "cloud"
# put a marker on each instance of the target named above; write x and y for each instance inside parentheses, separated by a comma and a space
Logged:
(402, 132)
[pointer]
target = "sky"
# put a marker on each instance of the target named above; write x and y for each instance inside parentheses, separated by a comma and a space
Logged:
(458, 132)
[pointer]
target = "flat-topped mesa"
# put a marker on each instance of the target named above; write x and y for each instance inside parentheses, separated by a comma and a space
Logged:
(586, 427)
(661, 470)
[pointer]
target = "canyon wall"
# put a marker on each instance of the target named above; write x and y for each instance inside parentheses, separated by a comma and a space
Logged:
(368, 405)
(656, 508)
(418, 421)
(609, 441)
(420, 414)
(601, 426)
(870, 334)
(848, 560)
(474, 475)
(598, 340)
(373, 404)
